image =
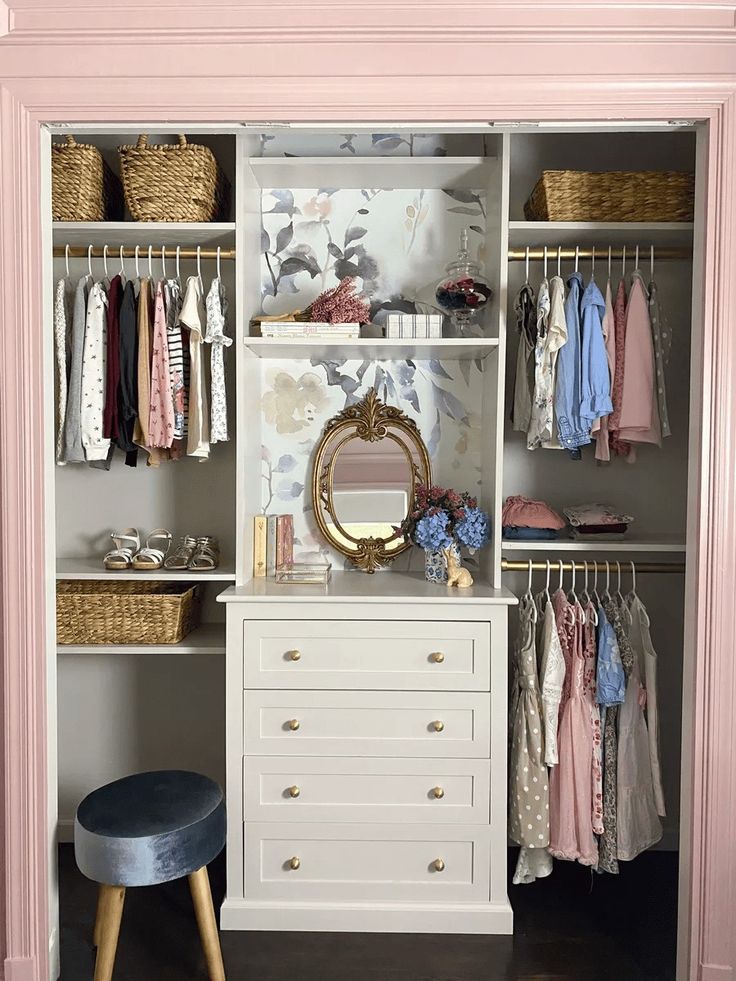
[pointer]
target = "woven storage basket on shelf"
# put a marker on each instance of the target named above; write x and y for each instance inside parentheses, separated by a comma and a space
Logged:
(125, 612)
(579, 195)
(172, 182)
(83, 188)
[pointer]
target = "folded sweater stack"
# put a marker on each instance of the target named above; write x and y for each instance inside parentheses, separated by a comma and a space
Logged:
(597, 522)
(532, 521)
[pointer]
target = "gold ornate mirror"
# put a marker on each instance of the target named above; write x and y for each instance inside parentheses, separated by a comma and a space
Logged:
(368, 463)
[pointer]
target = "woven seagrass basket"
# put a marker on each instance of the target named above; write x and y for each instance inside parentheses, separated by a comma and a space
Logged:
(579, 195)
(172, 182)
(126, 612)
(83, 188)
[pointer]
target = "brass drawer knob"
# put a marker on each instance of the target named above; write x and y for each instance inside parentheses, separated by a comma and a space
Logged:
(438, 793)
(294, 863)
(438, 725)
(294, 791)
(438, 865)
(293, 655)
(437, 657)
(293, 724)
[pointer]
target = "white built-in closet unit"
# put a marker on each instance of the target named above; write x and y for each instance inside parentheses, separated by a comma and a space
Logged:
(376, 848)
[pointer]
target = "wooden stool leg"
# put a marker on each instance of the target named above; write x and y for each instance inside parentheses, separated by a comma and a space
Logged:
(101, 897)
(199, 883)
(109, 913)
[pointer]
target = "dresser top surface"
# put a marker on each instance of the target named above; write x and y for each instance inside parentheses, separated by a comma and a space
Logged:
(358, 587)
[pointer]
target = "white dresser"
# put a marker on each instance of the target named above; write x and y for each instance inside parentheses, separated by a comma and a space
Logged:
(366, 756)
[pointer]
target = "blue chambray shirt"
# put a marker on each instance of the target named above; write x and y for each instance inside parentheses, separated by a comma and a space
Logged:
(595, 384)
(573, 431)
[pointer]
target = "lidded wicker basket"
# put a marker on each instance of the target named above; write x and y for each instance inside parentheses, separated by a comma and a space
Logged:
(83, 188)
(579, 195)
(125, 612)
(172, 182)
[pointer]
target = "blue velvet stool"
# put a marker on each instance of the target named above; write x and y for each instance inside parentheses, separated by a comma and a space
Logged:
(146, 829)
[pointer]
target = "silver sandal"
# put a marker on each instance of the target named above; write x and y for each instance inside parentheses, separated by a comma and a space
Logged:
(206, 555)
(182, 555)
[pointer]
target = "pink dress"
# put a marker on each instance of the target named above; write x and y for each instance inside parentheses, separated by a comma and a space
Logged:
(161, 411)
(571, 781)
(639, 419)
(619, 325)
(589, 690)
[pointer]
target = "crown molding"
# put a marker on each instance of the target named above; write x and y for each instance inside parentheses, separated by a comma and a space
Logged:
(334, 21)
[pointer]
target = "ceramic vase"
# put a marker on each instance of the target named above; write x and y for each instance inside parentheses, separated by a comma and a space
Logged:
(435, 567)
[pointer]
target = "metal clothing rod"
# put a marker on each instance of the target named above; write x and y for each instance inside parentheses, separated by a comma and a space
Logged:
(517, 565)
(601, 254)
(113, 252)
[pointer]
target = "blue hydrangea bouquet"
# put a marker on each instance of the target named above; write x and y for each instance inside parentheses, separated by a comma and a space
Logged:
(441, 521)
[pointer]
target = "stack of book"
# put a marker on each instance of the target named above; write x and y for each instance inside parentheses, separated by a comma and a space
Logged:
(273, 543)
(294, 328)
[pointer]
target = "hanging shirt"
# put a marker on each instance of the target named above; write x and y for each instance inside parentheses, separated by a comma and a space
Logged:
(128, 388)
(521, 409)
(218, 339)
(73, 449)
(551, 335)
(112, 385)
(96, 446)
(618, 445)
(63, 301)
(661, 340)
(190, 318)
(574, 431)
(161, 405)
(179, 379)
(639, 421)
(600, 426)
(595, 383)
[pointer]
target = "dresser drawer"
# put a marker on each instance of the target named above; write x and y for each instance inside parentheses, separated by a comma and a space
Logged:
(342, 723)
(366, 790)
(367, 654)
(364, 863)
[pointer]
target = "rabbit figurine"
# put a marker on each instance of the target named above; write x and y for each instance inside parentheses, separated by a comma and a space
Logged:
(456, 574)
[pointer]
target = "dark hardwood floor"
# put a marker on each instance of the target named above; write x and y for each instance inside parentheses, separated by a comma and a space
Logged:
(574, 925)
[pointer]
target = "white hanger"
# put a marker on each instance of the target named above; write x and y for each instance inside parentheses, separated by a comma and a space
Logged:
(609, 261)
(122, 263)
(137, 268)
(592, 264)
(607, 590)
(219, 275)
(589, 600)
(526, 264)
(545, 262)
(89, 261)
(163, 261)
(544, 595)
(104, 260)
(562, 572)
(636, 259)
(622, 605)
(150, 267)
(577, 257)
(572, 595)
(559, 260)
(66, 259)
(178, 274)
(594, 594)
(623, 262)
(529, 595)
(651, 262)
(199, 267)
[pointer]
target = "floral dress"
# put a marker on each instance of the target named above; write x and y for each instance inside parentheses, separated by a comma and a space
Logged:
(589, 683)
(528, 783)
(571, 784)
(551, 335)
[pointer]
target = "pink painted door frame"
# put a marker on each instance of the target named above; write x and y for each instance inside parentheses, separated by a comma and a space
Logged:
(204, 60)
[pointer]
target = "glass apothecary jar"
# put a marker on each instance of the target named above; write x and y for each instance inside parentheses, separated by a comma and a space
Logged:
(464, 292)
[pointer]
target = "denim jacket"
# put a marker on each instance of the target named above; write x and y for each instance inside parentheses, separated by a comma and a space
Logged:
(573, 430)
(595, 386)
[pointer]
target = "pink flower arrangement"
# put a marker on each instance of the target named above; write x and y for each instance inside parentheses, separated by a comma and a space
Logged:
(340, 305)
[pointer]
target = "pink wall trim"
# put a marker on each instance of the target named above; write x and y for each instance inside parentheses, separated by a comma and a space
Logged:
(411, 60)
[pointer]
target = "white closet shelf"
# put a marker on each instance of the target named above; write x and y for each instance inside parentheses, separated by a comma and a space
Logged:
(603, 233)
(92, 568)
(654, 543)
(472, 173)
(143, 233)
(383, 587)
(374, 348)
(209, 638)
